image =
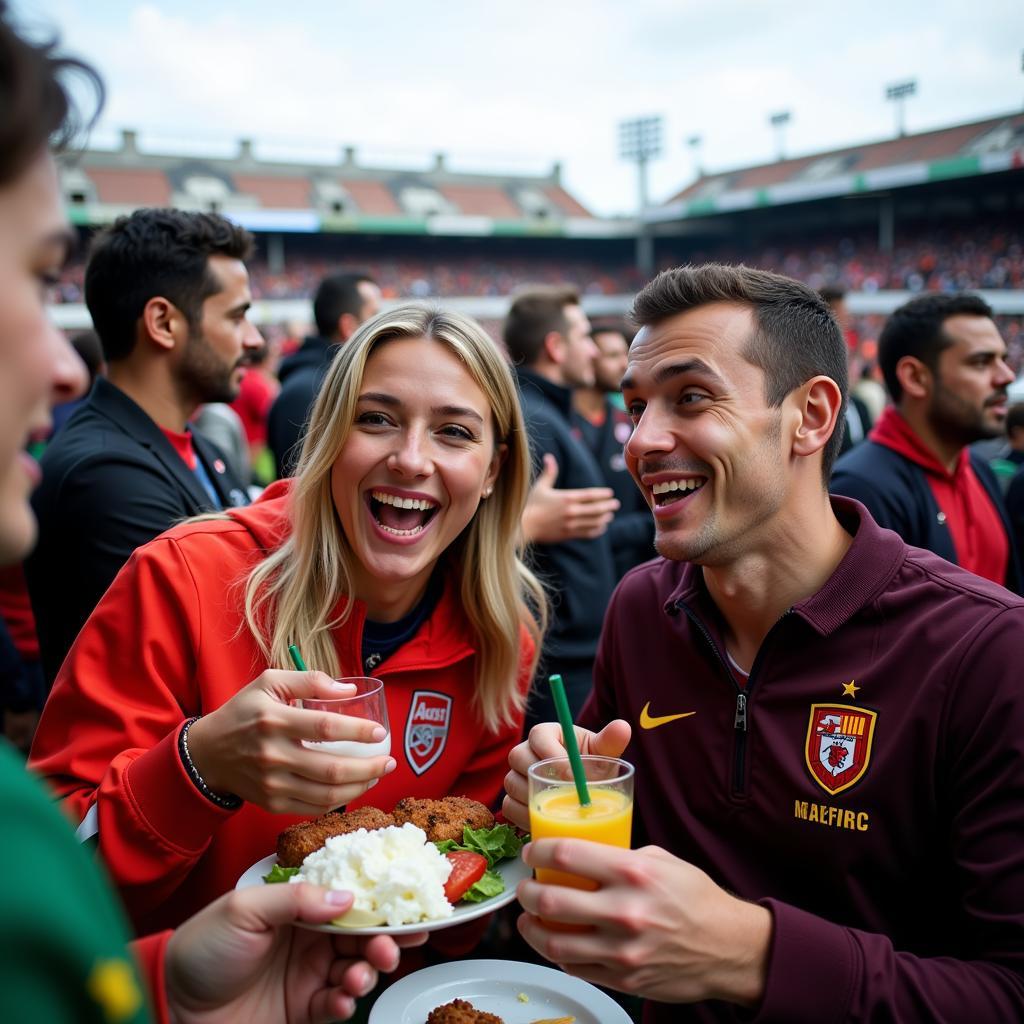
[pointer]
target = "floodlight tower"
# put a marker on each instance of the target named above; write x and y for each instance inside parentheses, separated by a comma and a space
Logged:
(897, 93)
(695, 142)
(640, 141)
(778, 122)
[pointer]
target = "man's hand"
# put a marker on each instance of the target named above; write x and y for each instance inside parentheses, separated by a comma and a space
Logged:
(544, 741)
(240, 959)
(251, 746)
(657, 927)
(552, 515)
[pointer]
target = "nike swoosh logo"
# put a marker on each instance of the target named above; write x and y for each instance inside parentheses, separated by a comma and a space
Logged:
(647, 721)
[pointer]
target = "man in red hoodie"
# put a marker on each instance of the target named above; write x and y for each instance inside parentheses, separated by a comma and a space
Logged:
(945, 369)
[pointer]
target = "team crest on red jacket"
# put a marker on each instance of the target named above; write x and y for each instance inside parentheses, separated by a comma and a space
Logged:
(426, 731)
(838, 746)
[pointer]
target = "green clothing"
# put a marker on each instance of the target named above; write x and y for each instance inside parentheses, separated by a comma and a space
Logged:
(63, 937)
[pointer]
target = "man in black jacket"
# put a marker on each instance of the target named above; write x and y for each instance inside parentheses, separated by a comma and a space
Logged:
(168, 293)
(945, 368)
(547, 335)
(341, 304)
(605, 427)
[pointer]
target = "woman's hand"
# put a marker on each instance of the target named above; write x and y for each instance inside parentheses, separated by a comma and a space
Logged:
(240, 959)
(251, 746)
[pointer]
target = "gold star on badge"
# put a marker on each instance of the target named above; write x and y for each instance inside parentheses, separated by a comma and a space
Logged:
(850, 689)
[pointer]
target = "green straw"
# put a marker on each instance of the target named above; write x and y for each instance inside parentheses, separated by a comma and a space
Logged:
(297, 658)
(569, 735)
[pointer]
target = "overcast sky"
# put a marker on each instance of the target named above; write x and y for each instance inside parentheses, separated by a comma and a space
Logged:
(518, 86)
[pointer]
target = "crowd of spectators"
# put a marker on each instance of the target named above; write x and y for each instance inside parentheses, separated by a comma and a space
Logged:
(984, 255)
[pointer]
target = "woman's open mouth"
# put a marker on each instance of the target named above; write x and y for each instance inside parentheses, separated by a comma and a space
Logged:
(401, 516)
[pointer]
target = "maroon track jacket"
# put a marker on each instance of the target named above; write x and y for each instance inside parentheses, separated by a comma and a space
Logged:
(867, 786)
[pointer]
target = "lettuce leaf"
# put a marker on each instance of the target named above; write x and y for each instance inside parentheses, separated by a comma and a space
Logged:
(491, 884)
(497, 843)
(280, 874)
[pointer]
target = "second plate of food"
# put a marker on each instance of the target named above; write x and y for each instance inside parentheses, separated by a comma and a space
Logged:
(518, 993)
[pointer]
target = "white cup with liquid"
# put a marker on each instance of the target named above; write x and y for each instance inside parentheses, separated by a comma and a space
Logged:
(367, 701)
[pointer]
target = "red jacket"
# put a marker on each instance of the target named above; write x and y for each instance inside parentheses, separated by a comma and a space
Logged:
(166, 642)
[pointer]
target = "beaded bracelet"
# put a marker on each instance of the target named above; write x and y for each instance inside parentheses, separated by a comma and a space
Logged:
(229, 802)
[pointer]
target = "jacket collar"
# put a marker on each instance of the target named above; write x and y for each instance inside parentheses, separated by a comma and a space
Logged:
(110, 402)
(554, 393)
(894, 432)
(868, 565)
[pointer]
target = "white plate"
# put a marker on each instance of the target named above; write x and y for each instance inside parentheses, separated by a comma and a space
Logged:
(513, 871)
(494, 986)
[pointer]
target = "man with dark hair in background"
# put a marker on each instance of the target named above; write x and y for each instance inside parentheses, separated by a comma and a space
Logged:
(856, 416)
(605, 428)
(825, 723)
(168, 294)
(341, 304)
(547, 336)
(945, 369)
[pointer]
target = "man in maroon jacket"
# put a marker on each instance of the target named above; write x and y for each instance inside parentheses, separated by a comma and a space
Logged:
(827, 724)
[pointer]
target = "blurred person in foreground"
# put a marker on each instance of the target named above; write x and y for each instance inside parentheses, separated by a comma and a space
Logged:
(547, 337)
(342, 302)
(168, 294)
(65, 957)
(826, 724)
(393, 552)
(605, 427)
(945, 369)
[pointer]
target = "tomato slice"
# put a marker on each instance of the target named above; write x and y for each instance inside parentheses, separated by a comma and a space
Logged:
(467, 868)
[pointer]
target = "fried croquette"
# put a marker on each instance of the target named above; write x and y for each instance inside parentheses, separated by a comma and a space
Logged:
(458, 1011)
(443, 819)
(297, 842)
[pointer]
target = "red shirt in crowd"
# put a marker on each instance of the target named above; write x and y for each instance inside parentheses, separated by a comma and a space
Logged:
(979, 538)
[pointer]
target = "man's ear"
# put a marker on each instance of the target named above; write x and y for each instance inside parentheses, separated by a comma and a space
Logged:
(347, 326)
(915, 378)
(162, 322)
(554, 347)
(819, 405)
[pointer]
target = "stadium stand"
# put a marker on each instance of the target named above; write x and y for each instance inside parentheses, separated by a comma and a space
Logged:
(941, 210)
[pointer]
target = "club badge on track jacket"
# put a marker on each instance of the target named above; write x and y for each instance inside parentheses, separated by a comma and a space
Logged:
(867, 785)
(165, 644)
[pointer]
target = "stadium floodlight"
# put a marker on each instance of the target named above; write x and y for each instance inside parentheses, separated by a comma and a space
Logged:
(779, 121)
(640, 141)
(898, 93)
(695, 142)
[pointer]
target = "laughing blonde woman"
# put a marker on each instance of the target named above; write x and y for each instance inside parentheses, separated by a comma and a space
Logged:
(394, 552)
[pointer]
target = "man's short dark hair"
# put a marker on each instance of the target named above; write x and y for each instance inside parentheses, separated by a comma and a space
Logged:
(832, 294)
(916, 329)
(533, 315)
(796, 336)
(35, 106)
(155, 253)
(1014, 418)
(612, 325)
(338, 294)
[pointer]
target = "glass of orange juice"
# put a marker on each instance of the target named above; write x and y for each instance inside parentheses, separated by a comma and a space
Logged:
(555, 809)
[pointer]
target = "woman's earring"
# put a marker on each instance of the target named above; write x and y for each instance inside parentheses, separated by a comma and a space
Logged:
(488, 492)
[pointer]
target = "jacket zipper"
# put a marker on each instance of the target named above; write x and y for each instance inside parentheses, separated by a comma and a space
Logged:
(741, 716)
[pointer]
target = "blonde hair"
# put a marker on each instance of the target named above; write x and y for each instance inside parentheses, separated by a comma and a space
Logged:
(290, 594)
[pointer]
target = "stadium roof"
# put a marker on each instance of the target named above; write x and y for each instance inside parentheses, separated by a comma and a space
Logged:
(100, 185)
(966, 150)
